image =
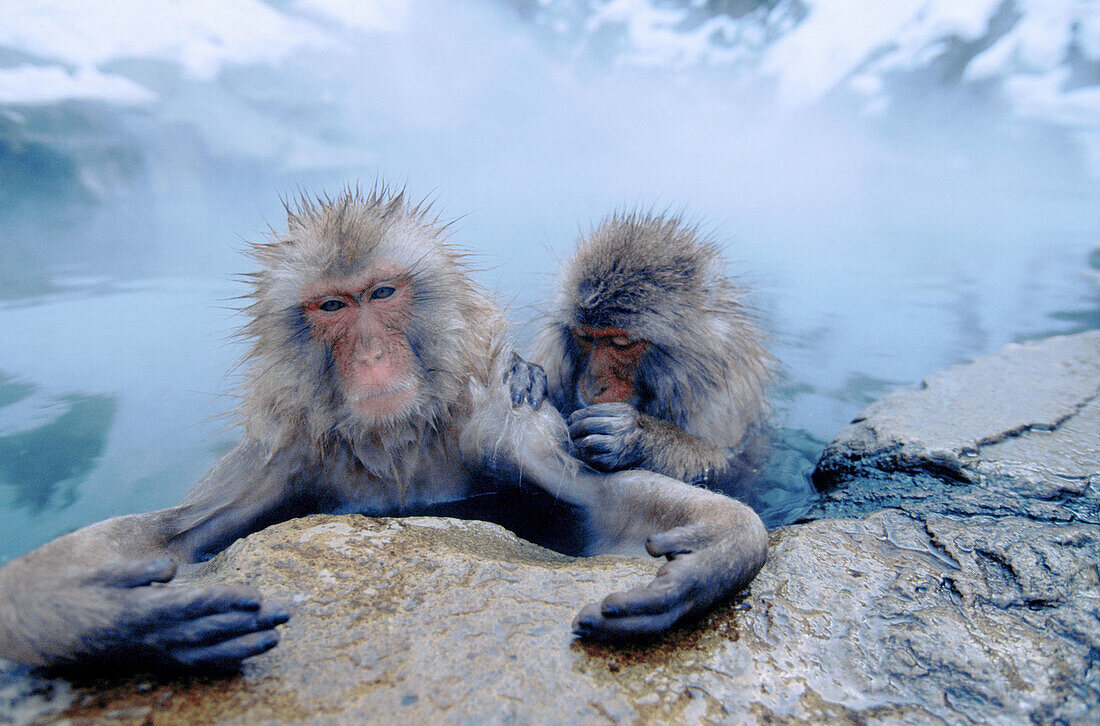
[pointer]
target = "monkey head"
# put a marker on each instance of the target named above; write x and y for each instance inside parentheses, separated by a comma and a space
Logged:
(363, 316)
(627, 298)
(645, 314)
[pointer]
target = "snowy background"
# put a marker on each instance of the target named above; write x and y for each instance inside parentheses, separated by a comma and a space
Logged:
(905, 184)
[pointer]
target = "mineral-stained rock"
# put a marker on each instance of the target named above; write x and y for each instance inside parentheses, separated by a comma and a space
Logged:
(951, 579)
(883, 619)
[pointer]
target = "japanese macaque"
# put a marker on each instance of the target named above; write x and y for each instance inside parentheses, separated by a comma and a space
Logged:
(378, 381)
(651, 354)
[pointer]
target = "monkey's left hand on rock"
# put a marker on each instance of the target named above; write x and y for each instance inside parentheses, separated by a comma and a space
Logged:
(706, 564)
(124, 615)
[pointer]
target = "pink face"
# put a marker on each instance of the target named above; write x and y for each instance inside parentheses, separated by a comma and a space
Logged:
(362, 318)
(612, 358)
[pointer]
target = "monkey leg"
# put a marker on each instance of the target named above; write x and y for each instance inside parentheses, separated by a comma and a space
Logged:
(511, 436)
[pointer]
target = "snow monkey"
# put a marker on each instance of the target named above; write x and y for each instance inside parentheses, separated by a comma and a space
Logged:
(378, 379)
(650, 352)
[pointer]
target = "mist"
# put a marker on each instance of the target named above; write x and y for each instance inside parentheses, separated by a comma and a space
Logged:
(883, 239)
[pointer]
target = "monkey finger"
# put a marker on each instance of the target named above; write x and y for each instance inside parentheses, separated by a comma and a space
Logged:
(602, 452)
(595, 444)
(539, 388)
(513, 365)
(661, 595)
(583, 413)
(184, 603)
(670, 543)
(614, 409)
(224, 655)
(526, 382)
(591, 425)
(134, 573)
(592, 624)
(204, 631)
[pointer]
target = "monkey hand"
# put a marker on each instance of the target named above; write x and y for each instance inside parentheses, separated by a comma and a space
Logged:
(706, 565)
(608, 436)
(526, 382)
(123, 615)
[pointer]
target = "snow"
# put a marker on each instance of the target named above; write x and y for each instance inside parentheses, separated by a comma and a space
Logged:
(380, 15)
(34, 85)
(73, 40)
(65, 49)
(200, 35)
(816, 56)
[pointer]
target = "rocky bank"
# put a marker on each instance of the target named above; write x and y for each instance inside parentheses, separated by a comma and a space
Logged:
(949, 576)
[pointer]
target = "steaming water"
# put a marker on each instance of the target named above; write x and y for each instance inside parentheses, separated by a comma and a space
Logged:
(880, 249)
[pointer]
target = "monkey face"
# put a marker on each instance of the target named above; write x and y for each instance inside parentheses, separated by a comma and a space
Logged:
(609, 364)
(361, 319)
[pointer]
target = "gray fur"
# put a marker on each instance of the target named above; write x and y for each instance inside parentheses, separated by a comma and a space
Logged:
(702, 382)
(105, 593)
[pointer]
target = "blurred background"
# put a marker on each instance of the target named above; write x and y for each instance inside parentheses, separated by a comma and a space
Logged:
(905, 185)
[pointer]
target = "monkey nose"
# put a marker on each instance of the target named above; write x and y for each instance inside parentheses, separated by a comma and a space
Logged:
(368, 352)
(592, 388)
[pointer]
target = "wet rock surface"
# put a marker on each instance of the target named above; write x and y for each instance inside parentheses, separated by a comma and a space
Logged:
(951, 578)
(1013, 433)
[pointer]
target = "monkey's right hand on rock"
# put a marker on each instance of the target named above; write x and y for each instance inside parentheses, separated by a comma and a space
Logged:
(706, 565)
(124, 616)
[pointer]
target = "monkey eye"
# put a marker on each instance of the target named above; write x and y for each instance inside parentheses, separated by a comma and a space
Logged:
(332, 305)
(621, 341)
(381, 293)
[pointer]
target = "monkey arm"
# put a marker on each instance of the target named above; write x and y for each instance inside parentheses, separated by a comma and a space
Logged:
(714, 545)
(102, 594)
(614, 436)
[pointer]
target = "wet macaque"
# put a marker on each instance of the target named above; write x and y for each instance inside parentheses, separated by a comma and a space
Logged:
(379, 381)
(651, 354)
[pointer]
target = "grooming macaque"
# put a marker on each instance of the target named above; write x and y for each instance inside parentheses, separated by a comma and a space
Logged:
(650, 353)
(378, 381)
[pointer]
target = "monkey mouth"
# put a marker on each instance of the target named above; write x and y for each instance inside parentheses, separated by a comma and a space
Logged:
(368, 393)
(378, 405)
(605, 394)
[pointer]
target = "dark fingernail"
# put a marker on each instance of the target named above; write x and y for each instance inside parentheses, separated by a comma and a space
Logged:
(269, 641)
(278, 617)
(249, 603)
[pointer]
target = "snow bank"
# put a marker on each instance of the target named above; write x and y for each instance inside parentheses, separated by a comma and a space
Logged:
(71, 43)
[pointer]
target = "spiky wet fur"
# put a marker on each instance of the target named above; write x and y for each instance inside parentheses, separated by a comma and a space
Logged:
(292, 394)
(654, 275)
